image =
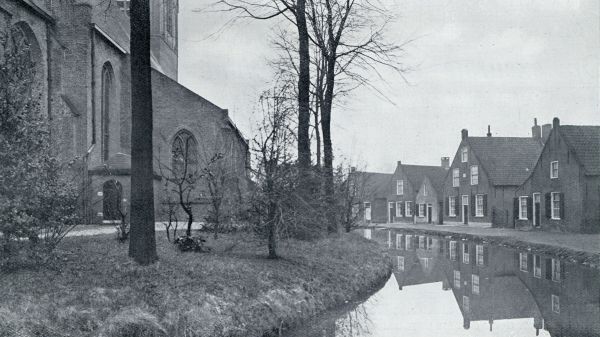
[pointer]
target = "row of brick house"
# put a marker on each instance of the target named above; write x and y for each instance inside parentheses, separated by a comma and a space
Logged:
(550, 180)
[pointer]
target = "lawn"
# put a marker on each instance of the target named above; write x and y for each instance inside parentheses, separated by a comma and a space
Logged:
(95, 290)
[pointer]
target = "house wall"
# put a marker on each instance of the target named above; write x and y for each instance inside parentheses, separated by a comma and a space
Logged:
(430, 199)
(571, 182)
(495, 200)
(410, 193)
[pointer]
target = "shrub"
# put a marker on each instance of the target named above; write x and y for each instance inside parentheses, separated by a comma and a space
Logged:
(122, 230)
(191, 244)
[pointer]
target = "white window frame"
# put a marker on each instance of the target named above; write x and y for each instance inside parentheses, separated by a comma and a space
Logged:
(408, 208)
(367, 205)
(455, 177)
(555, 304)
(399, 187)
(523, 262)
(475, 284)
(478, 205)
(453, 250)
(537, 266)
(389, 240)
(399, 209)
(466, 258)
(424, 190)
(398, 241)
(555, 211)
(479, 255)
(422, 210)
(457, 279)
(400, 263)
(452, 206)
(464, 154)
(421, 242)
(474, 175)
(556, 270)
(554, 169)
(408, 242)
(523, 208)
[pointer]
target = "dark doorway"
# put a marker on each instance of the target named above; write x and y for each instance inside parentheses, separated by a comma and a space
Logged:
(441, 213)
(537, 210)
(112, 192)
(465, 209)
(429, 213)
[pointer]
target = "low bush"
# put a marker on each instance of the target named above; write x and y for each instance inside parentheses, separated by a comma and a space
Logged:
(191, 244)
(133, 322)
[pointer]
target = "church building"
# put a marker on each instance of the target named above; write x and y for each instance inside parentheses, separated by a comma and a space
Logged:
(81, 52)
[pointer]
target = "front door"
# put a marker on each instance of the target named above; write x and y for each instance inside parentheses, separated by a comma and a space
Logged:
(537, 209)
(440, 213)
(391, 211)
(429, 213)
(465, 209)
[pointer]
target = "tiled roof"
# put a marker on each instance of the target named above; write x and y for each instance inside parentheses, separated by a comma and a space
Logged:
(416, 174)
(585, 142)
(507, 160)
(375, 184)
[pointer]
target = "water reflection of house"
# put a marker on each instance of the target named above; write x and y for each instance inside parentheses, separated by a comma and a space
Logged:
(567, 294)
(415, 259)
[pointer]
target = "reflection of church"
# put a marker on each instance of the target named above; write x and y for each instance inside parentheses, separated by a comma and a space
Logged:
(491, 283)
(82, 57)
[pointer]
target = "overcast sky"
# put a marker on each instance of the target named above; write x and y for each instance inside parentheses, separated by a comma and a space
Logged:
(500, 62)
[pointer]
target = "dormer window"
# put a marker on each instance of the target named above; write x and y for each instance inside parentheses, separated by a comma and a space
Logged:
(464, 155)
(554, 170)
(399, 187)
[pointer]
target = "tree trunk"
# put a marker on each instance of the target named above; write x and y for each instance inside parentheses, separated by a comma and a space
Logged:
(272, 231)
(318, 137)
(303, 90)
(142, 242)
(326, 127)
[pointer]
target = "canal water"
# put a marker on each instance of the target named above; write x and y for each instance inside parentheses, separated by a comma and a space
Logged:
(445, 286)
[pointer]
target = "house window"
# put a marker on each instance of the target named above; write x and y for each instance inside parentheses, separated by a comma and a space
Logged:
(421, 210)
(523, 208)
(457, 279)
(399, 209)
(451, 206)
(475, 284)
(466, 306)
(401, 263)
(554, 170)
(479, 254)
(408, 208)
(555, 270)
(453, 250)
(523, 262)
(389, 241)
(184, 154)
(455, 177)
(398, 241)
(425, 190)
(408, 243)
(399, 187)
(555, 304)
(537, 266)
(479, 205)
(464, 155)
(555, 204)
(367, 211)
(474, 175)
(124, 5)
(421, 242)
(465, 253)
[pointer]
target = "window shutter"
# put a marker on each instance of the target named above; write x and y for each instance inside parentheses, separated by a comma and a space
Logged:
(529, 208)
(404, 208)
(473, 205)
(562, 206)
(486, 255)
(447, 206)
(529, 262)
(457, 208)
(485, 211)
(562, 271)
(548, 206)
(515, 208)
(416, 209)
(548, 269)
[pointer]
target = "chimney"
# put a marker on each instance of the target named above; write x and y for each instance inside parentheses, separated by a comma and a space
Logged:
(555, 123)
(466, 323)
(352, 169)
(464, 134)
(489, 134)
(446, 163)
(536, 130)
(546, 128)
(399, 163)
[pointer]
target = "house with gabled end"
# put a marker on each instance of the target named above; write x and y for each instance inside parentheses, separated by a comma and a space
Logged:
(404, 187)
(372, 190)
(484, 175)
(429, 200)
(563, 190)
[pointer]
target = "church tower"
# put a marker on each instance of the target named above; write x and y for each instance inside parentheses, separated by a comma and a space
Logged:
(163, 34)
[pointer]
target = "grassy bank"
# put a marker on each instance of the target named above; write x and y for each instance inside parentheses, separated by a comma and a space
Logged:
(95, 290)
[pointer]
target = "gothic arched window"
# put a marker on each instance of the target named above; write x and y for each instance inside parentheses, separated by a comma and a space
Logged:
(107, 86)
(184, 151)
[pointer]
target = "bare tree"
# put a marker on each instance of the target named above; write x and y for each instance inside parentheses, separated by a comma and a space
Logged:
(142, 243)
(350, 192)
